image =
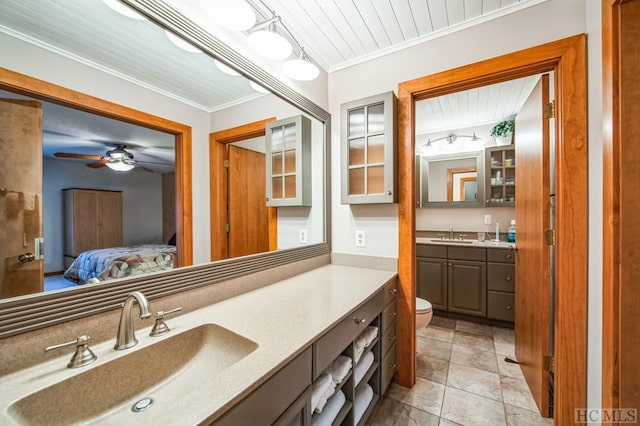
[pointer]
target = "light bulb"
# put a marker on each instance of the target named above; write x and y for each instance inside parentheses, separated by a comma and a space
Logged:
(300, 69)
(270, 44)
(182, 44)
(120, 166)
(234, 15)
(225, 68)
(255, 86)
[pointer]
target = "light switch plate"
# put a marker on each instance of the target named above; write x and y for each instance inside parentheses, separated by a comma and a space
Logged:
(302, 236)
(488, 219)
(361, 239)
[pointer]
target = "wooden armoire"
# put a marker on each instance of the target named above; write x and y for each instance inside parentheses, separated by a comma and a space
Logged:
(93, 220)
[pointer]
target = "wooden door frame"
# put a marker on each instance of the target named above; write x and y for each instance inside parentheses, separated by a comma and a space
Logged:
(43, 90)
(218, 185)
(567, 58)
(620, 256)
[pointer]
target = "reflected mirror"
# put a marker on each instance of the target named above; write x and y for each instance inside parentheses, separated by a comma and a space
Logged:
(451, 180)
(134, 63)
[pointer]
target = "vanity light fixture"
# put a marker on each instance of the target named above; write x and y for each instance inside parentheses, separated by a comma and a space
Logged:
(434, 148)
(266, 41)
(236, 15)
(301, 68)
(123, 9)
(182, 44)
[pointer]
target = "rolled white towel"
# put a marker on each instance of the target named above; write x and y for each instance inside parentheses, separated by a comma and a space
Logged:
(362, 367)
(339, 368)
(331, 410)
(324, 398)
(362, 401)
(369, 335)
(358, 348)
(320, 388)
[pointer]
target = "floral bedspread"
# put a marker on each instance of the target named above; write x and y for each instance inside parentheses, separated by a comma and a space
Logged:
(120, 262)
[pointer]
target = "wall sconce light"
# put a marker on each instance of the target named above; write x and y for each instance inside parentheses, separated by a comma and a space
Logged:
(300, 68)
(236, 15)
(268, 43)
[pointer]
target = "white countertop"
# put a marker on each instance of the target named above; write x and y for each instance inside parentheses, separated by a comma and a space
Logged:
(469, 243)
(283, 319)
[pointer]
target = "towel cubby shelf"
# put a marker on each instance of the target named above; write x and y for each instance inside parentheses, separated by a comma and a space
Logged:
(286, 398)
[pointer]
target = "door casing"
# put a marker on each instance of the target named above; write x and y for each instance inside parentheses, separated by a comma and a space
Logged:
(567, 59)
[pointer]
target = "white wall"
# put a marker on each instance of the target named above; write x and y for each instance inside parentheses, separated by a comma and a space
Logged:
(39, 63)
(141, 204)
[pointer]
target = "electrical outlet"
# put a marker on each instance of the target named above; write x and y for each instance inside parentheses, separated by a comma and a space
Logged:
(302, 236)
(361, 239)
(488, 219)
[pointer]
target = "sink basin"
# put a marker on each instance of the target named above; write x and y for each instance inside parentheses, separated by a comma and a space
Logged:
(452, 241)
(164, 371)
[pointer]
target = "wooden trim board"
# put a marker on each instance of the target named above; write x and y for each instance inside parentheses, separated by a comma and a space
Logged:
(33, 87)
(567, 58)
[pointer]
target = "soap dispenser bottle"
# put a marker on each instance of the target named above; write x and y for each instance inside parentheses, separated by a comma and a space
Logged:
(511, 235)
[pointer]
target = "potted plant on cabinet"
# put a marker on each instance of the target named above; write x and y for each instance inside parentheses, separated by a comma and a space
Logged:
(503, 132)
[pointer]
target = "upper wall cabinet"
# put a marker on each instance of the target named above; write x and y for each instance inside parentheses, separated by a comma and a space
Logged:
(501, 176)
(369, 150)
(288, 157)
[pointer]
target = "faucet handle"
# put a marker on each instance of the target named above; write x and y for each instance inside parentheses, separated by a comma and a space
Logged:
(441, 236)
(83, 355)
(160, 328)
(461, 236)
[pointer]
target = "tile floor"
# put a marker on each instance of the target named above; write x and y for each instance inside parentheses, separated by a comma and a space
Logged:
(462, 380)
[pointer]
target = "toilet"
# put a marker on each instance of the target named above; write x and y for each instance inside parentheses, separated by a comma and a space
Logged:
(424, 312)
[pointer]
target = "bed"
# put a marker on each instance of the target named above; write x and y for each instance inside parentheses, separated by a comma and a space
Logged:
(120, 262)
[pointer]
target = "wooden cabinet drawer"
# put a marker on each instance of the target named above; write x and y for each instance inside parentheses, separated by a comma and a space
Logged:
(501, 255)
(389, 339)
(389, 316)
(390, 290)
(467, 253)
(426, 250)
(267, 403)
(329, 346)
(501, 277)
(387, 369)
(501, 306)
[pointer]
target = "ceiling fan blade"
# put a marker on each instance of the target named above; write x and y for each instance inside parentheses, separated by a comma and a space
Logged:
(83, 156)
(142, 167)
(97, 164)
(154, 162)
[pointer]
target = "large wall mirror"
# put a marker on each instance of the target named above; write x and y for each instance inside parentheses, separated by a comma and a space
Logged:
(168, 97)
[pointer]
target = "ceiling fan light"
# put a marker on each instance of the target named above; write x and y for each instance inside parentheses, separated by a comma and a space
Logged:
(182, 44)
(234, 15)
(255, 86)
(270, 44)
(225, 68)
(300, 69)
(120, 166)
(124, 9)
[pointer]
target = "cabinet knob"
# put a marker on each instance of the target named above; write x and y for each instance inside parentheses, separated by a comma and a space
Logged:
(508, 308)
(509, 256)
(393, 291)
(359, 320)
(392, 338)
(450, 264)
(267, 198)
(508, 278)
(393, 314)
(389, 192)
(392, 366)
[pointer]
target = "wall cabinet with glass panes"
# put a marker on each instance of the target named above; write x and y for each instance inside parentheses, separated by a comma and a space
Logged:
(288, 157)
(369, 150)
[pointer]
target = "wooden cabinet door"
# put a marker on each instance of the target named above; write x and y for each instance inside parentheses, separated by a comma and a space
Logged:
(109, 219)
(431, 278)
(467, 287)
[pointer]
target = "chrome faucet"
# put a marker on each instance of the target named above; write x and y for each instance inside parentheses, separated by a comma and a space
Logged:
(126, 337)
(451, 232)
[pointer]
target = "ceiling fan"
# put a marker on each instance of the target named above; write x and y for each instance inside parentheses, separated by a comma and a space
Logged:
(118, 159)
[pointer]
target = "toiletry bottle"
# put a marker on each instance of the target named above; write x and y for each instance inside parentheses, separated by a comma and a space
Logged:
(497, 230)
(511, 236)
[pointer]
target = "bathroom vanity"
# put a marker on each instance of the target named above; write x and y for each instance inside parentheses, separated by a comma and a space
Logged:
(253, 356)
(476, 279)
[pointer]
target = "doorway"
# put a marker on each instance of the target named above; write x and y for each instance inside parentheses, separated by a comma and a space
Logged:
(237, 228)
(566, 58)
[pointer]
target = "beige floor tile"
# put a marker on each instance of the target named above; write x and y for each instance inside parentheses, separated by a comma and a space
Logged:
(474, 328)
(468, 409)
(438, 333)
(503, 335)
(474, 380)
(443, 322)
(516, 392)
(474, 341)
(393, 413)
(473, 357)
(425, 395)
(445, 422)
(433, 348)
(509, 369)
(432, 369)
(507, 349)
(517, 416)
